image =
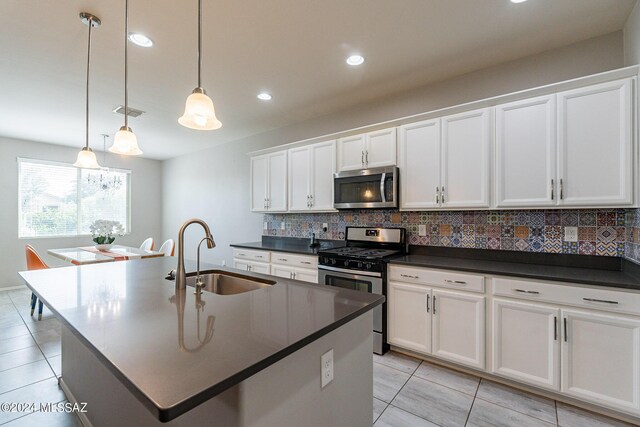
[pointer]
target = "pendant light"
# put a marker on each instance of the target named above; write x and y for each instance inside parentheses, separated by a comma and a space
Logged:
(125, 141)
(198, 111)
(86, 157)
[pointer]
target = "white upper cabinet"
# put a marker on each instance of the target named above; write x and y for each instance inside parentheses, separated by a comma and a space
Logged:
(269, 182)
(419, 164)
(526, 153)
(370, 150)
(595, 145)
(311, 170)
(466, 154)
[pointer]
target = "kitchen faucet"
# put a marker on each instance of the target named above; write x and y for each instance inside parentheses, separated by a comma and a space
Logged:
(199, 282)
(181, 275)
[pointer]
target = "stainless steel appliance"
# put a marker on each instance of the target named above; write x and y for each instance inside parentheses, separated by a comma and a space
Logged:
(362, 265)
(366, 188)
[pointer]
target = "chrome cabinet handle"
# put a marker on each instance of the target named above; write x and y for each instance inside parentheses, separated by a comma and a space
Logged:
(566, 335)
(551, 188)
(248, 268)
(555, 328)
(437, 195)
(294, 274)
(434, 304)
(383, 177)
(366, 157)
(311, 200)
(524, 291)
(561, 190)
(442, 194)
(305, 262)
(600, 300)
(427, 303)
(409, 276)
(282, 259)
(455, 282)
(362, 158)
(241, 254)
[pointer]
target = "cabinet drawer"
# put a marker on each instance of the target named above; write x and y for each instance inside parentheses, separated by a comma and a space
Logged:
(595, 299)
(442, 278)
(260, 256)
(302, 261)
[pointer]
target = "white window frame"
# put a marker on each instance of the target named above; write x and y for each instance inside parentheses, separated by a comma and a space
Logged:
(21, 160)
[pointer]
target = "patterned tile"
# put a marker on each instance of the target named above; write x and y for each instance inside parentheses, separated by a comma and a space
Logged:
(522, 231)
(587, 218)
(506, 231)
(606, 234)
(552, 218)
(587, 248)
(552, 232)
(521, 244)
(493, 243)
(506, 243)
(569, 218)
(606, 217)
(493, 230)
(587, 233)
(493, 218)
(481, 242)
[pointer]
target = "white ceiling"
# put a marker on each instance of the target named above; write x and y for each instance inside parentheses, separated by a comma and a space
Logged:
(295, 49)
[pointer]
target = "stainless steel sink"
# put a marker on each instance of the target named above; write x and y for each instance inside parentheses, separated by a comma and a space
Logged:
(226, 283)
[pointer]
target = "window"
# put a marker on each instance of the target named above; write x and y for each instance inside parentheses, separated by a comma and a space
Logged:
(58, 199)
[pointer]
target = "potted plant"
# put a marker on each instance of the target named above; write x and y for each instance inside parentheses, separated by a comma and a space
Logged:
(104, 232)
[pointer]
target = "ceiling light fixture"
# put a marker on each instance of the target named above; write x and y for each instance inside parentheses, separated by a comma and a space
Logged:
(264, 96)
(140, 39)
(125, 141)
(355, 60)
(86, 157)
(199, 113)
(104, 179)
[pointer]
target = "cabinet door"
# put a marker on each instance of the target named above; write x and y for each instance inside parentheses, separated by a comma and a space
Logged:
(259, 166)
(594, 138)
(526, 342)
(380, 148)
(259, 267)
(241, 264)
(601, 359)
(277, 182)
(419, 164)
(526, 153)
(282, 271)
(323, 166)
(299, 160)
(458, 327)
(351, 153)
(306, 275)
(466, 150)
(409, 317)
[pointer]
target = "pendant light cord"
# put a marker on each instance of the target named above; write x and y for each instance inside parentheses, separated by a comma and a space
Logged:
(199, 41)
(126, 71)
(86, 121)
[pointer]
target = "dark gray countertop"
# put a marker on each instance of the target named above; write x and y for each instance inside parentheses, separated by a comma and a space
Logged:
(625, 276)
(290, 244)
(128, 315)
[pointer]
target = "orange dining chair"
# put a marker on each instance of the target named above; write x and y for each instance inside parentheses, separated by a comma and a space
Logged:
(168, 247)
(34, 262)
(147, 245)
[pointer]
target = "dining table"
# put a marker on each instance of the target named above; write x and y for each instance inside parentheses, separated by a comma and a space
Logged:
(90, 255)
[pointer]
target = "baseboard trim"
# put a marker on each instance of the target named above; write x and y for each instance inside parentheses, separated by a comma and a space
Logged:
(81, 415)
(13, 288)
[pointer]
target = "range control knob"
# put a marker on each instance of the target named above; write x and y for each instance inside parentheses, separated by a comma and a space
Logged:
(359, 265)
(346, 263)
(333, 262)
(369, 266)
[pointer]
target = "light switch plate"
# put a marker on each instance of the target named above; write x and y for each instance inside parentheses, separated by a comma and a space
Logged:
(422, 230)
(326, 368)
(571, 234)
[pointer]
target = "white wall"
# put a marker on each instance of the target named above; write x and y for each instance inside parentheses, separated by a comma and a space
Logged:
(213, 184)
(146, 208)
(632, 37)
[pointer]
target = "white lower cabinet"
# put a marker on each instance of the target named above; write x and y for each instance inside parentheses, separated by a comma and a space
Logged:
(601, 359)
(280, 264)
(526, 342)
(256, 267)
(458, 327)
(409, 316)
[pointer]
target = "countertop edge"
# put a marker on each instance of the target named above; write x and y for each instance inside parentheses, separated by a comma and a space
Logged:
(255, 246)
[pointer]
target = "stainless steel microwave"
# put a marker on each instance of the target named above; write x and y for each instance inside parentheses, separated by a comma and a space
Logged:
(366, 188)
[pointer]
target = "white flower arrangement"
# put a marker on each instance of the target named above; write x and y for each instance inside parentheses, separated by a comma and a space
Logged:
(104, 231)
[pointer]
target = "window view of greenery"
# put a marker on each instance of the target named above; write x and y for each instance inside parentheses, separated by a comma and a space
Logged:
(57, 199)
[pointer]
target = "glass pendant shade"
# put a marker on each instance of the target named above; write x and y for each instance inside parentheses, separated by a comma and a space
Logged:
(199, 113)
(125, 142)
(87, 159)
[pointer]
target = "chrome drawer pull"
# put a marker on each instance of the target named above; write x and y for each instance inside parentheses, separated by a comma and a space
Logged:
(242, 254)
(258, 256)
(455, 282)
(282, 259)
(600, 300)
(409, 276)
(427, 303)
(524, 291)
(305, 262)
(555, 328)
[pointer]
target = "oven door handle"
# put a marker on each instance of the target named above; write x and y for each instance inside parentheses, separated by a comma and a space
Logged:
(350, 272)
(382, 179)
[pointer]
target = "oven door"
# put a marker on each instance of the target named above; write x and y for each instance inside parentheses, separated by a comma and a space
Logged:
(357, 280)
(367, 188)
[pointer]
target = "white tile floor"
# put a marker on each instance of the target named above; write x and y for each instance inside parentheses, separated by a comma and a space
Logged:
(407, 392)
(412, 393)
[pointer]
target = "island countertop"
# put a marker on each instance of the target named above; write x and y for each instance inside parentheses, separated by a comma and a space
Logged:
(128, 315)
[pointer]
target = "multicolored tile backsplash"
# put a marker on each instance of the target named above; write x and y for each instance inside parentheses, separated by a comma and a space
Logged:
(600, 231)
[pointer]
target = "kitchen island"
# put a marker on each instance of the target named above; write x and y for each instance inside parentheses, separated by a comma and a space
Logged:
(138, 352)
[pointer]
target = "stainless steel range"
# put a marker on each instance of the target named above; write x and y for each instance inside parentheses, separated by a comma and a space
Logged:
(362, 265)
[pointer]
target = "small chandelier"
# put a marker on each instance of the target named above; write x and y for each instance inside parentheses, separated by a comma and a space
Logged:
(105, 180)
(86, 157)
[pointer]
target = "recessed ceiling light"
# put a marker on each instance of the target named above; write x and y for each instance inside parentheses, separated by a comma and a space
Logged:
(264, 96)
(518, 1)
(355, 60)
(140, 39)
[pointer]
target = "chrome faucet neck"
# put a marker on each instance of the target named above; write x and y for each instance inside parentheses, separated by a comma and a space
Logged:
(181, 275)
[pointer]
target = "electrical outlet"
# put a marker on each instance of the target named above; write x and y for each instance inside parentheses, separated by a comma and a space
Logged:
(282, 225)
(326, 368)
(571, 234)
(224, 262)
(265, 226)
(325, 227)
(422, 230)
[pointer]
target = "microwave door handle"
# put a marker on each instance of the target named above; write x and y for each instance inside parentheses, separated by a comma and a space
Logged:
(382, 179)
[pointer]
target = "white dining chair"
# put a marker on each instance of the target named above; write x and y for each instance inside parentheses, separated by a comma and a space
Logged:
(147, 245)
(168, 247)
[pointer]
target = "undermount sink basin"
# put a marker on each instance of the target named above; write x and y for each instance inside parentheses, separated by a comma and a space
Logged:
(227, 283)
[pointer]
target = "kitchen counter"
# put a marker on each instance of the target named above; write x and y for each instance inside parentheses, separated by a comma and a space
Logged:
(290, 244)
(152, 338)
(579, 269)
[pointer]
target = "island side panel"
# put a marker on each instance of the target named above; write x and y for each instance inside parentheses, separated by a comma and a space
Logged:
(286, 393)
